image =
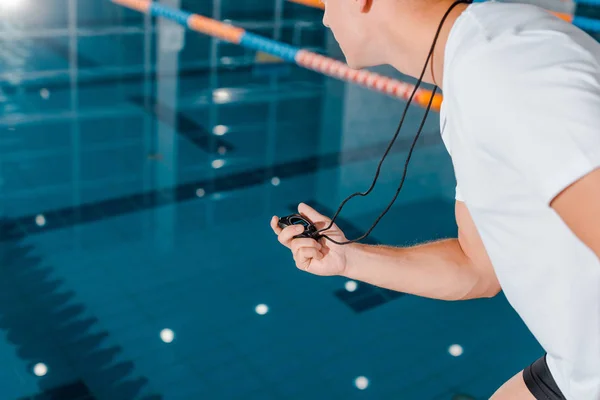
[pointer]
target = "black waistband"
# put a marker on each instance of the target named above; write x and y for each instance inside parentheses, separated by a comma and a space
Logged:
(540, 382)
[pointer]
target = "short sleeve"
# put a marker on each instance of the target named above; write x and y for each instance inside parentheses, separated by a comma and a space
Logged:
(458, 195)
(537, 110)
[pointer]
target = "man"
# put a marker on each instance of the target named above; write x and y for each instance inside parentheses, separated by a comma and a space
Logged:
(521, 121)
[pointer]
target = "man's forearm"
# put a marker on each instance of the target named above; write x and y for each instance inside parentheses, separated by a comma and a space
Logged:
(438, 270)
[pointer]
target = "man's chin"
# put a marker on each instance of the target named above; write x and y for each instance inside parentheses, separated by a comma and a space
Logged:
(355, 64)
(358, 64)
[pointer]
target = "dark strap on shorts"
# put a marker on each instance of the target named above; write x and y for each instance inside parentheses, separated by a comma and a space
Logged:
(540, 382)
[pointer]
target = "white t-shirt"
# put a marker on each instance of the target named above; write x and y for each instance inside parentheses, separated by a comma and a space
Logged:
(521, 121)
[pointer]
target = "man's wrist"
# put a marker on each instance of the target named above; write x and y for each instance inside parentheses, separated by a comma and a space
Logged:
(353, 254)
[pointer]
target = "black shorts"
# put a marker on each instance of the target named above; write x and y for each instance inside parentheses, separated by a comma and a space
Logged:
(540, 382)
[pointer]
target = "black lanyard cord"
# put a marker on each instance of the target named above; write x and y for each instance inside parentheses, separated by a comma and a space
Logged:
(363, 194)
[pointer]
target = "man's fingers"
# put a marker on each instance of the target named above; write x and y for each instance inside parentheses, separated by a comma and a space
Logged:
(287, 234)
(312, 214)
(297, 244)
(275, 226)
(305, 255)
(304, 251)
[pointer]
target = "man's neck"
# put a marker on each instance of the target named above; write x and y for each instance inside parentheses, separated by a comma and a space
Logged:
(421, 32)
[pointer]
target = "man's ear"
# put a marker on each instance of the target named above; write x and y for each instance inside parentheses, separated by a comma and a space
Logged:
(365, 5)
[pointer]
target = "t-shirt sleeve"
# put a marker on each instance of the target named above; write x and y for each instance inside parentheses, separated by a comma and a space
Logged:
(537, 114)
(458, 195)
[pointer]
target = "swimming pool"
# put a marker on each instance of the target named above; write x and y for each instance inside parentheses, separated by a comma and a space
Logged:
(139, 167)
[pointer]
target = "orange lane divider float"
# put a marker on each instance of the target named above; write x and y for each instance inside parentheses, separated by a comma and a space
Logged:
(310, 3)
(307, 59)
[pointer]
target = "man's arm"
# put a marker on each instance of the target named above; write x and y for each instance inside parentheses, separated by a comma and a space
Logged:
(579, 207)
(453, 269)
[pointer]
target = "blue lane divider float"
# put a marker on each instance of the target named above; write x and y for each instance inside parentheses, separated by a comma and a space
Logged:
(585, 23)
(179, 16)
(589, 2)
(588, 24)
(281, 50)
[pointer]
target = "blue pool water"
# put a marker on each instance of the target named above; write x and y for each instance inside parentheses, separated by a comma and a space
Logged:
(139, 168)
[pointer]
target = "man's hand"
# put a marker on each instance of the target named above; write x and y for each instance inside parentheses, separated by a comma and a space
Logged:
(320, 258)
(579, 207)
